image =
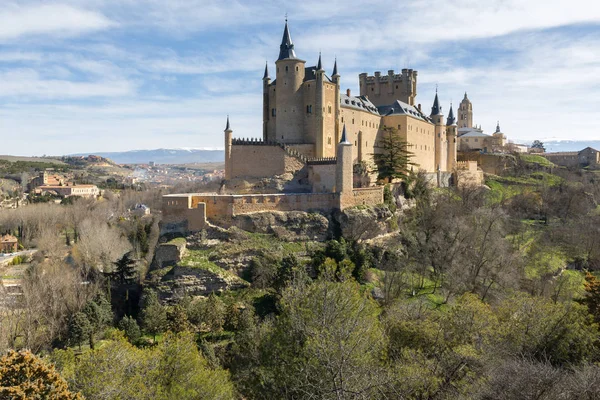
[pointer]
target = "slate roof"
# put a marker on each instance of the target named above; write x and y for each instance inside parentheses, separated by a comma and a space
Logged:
(286, 49)
(401, 108)
(361, 103)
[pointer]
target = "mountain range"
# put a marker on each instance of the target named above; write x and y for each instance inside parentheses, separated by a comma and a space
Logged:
(163, 156)
(553, 145)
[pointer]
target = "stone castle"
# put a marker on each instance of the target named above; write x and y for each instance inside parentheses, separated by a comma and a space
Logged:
(316, 134)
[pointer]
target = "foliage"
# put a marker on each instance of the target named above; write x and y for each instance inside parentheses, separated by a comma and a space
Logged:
(538, 145)
(154, 314)
(130, 327)
(393, 161)
(25, 376)
(125, 272)
(174, 369)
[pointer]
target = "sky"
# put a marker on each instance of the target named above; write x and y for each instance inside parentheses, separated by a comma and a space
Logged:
(84, 76)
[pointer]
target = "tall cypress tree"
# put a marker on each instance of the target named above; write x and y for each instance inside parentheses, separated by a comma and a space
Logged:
(394, 159)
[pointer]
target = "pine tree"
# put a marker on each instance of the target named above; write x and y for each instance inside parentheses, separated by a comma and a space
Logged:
(124, 269)
(154, 315)
(394, 159)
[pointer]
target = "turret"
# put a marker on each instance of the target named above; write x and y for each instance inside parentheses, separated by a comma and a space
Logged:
(335, 77)
(319, 109)
(289, 122)
(228, 140)
(343, 171)
(451, 136)
(266, 115)
(440, 134)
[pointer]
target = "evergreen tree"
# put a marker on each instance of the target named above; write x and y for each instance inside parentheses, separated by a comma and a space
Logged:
(538, 145)
(394, 159)
(99, 315)
(177, 320)
(214, 313)
(154, 314)
(79, 329)
(130, 327)
(124, 271)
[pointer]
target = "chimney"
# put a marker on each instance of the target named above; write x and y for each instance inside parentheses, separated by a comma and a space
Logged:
(348, 92)
(419, 107)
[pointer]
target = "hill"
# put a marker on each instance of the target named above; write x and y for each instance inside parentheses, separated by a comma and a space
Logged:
(163, 156)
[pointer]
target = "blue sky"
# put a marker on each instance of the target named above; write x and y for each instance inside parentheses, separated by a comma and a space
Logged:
(104, 75)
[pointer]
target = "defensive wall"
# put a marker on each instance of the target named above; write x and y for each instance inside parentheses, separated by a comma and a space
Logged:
(468, 174)
(191, 211)
(257, 159)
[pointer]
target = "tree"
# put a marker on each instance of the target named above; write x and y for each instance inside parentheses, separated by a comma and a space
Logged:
(177, 320)
(214, 313)
(124, 271)
(25, 376)
(538, 145)
(154, 314)
(130, 327)
(99, 315)
(592, 295)
(80, 329)
(326, 344)
(394, 159)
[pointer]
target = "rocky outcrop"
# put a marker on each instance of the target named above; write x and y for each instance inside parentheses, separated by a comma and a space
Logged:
(180, 282)
(360, 223)
(290, 226)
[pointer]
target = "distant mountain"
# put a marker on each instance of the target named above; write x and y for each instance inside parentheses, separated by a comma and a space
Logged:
(553, 145)
(163, 156)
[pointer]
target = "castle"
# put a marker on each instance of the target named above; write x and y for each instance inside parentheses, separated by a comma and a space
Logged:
(317, 134)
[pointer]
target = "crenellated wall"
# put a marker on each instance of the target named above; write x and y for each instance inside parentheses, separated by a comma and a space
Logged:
(260, 159)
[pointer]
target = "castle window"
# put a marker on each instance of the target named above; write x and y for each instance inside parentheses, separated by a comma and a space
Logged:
(372, 89)
(329, 109)
(296, 69)
(273, 112)
(396, 86)
(286, 68)
(309, 109)
(399, 126)
(342, 120)
(328, 140)
(355, 143)
(352, 121)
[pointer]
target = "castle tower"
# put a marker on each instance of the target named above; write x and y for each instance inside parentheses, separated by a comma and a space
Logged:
(343, 171)
(228, 140)
(319, 109)
(465, 113)
(266, 84)
(289, 121)
(384, 90)
(437, 116)
(335, 77)
(451, 135)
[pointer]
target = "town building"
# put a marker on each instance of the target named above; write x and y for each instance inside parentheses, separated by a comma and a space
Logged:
(8, 244)
(69, 189)
(588, 157)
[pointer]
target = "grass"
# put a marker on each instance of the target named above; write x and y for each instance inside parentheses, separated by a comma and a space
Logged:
(535, 159)
(177, 241)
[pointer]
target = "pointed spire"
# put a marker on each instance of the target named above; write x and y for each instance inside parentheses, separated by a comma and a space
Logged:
(319, 64)
(227, 127)
(344, 139)
(466, 98)
(266, 75)
(498, 127)
(436, 109)
(451, 120)
(335, 71)
(286, 49)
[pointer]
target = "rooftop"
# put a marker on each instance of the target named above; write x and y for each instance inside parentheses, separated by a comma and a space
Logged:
(402, 108)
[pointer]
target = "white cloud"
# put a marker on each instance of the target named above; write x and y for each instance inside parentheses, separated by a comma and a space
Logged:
(35, 19)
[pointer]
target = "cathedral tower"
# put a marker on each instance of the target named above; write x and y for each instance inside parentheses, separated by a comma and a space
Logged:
(465, 113)
(289, 122)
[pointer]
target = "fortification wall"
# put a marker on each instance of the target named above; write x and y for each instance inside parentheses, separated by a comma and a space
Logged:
(260, 159)
(363, 196)
(322, 177)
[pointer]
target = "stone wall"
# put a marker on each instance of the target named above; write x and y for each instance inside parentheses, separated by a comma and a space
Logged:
(322, 177)
(261, 160)
(366, 196)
